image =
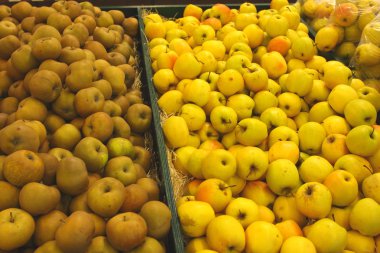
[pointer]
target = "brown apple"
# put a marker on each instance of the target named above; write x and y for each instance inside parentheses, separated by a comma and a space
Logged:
(121, 168)
(131, 26)
(12, 72)
(27, 79)
(69, 40)
(88, 101)
(133, 98)
(151, 187)
(123, 102)
(22, 167)
(111, 108)
(135, 197)
(116, 77)
(31, 109)
(45, 85)
(28, 23)
(100, 244)
(71, 9)
(18, 137)
(37, 126)
(88, 21)
(130, 74)
(42, 13)
(44, 147)
(17, 90)
(140, 171)
(104, 19)
(76, 233)
(23, 60)
(58, 21)
(37, 199)
(8, 45)
(67, 136)
(60, 68)
(5, 11)
(3, 64)
(11, 118)
(64, 105)
(9, 105)
(2, 158)
(79, 30)
(116, 58)
(81, 75)
(72, 176)
(60, 153)
(47, 225)
(46, 48)
(143, 157)
(53, 122)
(157, 216)
(49, 247)
(117, 16)
(93, 177)
(106, 196)
(120, 128)
(8, 195)
(17, 223)
(93, 152)
(117, 231)
(71, 54)
(100, 225)
(105, 36)
(96, 48)
(3, 119)
(98, 125)
(78, 123)
(104, 86)
(137, 139)
(79, 203)
(51, 164)
(5, 83)
(7, 28)
(139, 117)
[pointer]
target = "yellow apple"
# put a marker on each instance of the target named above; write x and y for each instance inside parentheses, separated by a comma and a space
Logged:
(313, 200)
(216, 47)
(282, 177)
(335, 74)
(180, 46)
(252, 163)
(254, 34)
(276, 25)
(266, 214)
(242, 104)
(173, 127)
(259, 192)
(290, 103)
(164, 80)
(192, 10)
(243, 210)
(343, 187)
(171, 101)
(262, 236)
(336, 125)
(274, 64)
(316, 62)
(365, 217)
(194, 216)
(223, 119)
(231, 239)
(285, 208)
(215, 192)
(299, 82)
(303, 48)
(181, 69)
(370, 187)
(233, 37)
(311, 136)
(255, 77)
(298, 244)
(363, 140)
(230, 82)
(339, 97)
(284, 150)
(274, 117)
(333, 147)
(283, 133)
(196, 244)
(341, 216)
(327, 236)
(326, 38)
(197, 92)
(238, 184)
(356, 165)
(360, 243)
(263, 100)
(360, 112)
(320, 111)
(251, 131)
(194, 116)
(315, 169)
(220, 164)
(289, 228)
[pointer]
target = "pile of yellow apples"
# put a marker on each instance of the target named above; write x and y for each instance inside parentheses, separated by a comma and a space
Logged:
(281, 147)
(339, 25)
(73, 154)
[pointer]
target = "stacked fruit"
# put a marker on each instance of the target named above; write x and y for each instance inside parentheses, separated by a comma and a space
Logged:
(339, 25)
(74, 163)
(280, 146)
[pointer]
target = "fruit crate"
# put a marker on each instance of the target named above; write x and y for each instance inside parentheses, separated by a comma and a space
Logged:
(168, 11)
(150, 99)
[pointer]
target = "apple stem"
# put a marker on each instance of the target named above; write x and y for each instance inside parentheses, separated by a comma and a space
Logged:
(12, 219)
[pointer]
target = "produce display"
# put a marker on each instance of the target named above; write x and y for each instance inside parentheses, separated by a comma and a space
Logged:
(279, 146)
(74, 144)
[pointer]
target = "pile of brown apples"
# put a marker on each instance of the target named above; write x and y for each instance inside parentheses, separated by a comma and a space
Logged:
(73, 164)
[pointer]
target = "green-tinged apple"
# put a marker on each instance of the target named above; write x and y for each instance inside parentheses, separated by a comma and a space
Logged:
(244, 210)
(252, 163)
(223, 119)
(371, 95)
(219, 163)
(370, 187)
(365, 217)
(283, 133)
(215, 192)
(363, 140)
(315, 169)
(313, 200)
(282, 177)
(311, 136)
(360, 112)
(327, 236)
(251, 131)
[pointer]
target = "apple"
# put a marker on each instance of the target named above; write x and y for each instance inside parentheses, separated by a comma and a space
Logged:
(194, 217)
(197, 91)
(232, 238)
(121, 168)
(326, 38)
(252, 163)
(184, 60)
(197, 244)
(218, 163)
(365, 217)
(230, 82)
(336, 125)
(216, 98)
(215, 192)
(203, 33)
(311, 136)
(341, 215)
(343, 187)
(240, 48)
(264, 100)
(283, 133)
(266, 214)
(363, 140)
(173, 127)
(223, 119)
(333, 147)
(254, 34)
(192, 10)
(345, 14)
(274, 64)
(336, 74)
(259, 192)
(303, 48)
(284, 150)
(359, 243)
(290, 103)
(360, 112)
(289, 228)
(320, 111)
(285, 209)
(262, 236)
(251, 131)
(208, 61)
(370, 187)
(327, 236)
(216, 47)
(298, 244)
(242, 20)
(276, 25)
(315, 169)
(282, 177)
(313, 200)
(255, 77)
(93, 152)
(318, 93)
(244, 210)
(299, 82)
(242, 104)
(356, 165)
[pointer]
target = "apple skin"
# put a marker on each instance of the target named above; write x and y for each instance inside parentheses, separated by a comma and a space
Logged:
(220, 164)
(365, 217)
(343, 187)
(19, 224)
(370, 187)
(285, 208)
(263, 236)
(252, 163)
(298, 244)
(215, 192)
(363, 140)
(244, 210)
